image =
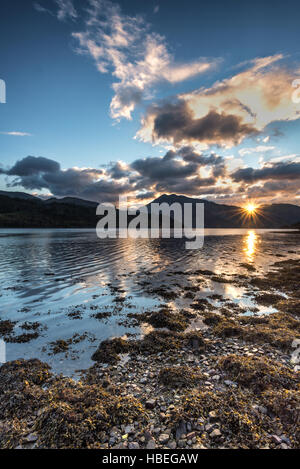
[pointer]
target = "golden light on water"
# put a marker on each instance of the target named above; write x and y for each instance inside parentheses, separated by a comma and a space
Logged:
(251, 241)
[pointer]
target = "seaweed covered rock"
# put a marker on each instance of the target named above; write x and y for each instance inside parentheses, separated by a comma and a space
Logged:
(21, 392)
(109, 350)
(17, 374)
(78, 413)
(286, 278)
(179, 376)
(159, 341)
(59, 412)
(6, 327)
(195, 341)
(284, 404)
(234, 417)
(166, 318)
(278, 329)
(258, 373)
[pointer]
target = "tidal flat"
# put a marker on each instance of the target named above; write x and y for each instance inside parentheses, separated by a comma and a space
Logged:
(209, 361)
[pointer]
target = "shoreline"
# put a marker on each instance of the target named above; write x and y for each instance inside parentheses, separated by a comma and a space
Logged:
(229, 385)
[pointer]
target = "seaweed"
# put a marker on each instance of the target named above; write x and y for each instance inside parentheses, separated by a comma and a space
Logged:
(179, 376)
(257, 373)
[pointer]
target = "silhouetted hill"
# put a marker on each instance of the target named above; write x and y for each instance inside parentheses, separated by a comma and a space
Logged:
(230, 216)
(20, 210)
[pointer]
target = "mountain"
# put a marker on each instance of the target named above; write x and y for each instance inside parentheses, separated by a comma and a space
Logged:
(71, 201)
(17, 211)
(18, 195)
(230, 216)
(20, 210)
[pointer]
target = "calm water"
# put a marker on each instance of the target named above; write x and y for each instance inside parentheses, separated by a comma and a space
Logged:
(48, 275)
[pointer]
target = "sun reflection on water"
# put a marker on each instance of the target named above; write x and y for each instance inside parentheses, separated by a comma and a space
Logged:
(250, 241)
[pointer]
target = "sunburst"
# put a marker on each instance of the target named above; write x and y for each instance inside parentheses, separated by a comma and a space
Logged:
(250, 211)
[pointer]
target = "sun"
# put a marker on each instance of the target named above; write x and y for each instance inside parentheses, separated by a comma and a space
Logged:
(250, 211)
(251, 208)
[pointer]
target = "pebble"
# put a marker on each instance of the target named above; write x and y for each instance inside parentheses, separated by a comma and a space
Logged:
(163, 438)
(276, 439)
(133, 445)
(151, 444)
(150, 404)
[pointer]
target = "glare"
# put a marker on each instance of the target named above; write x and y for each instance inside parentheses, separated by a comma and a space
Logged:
(251, 208)
(251, 241)
(251, 211)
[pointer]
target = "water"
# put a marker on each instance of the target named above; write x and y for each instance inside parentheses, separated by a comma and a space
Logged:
(48, 275)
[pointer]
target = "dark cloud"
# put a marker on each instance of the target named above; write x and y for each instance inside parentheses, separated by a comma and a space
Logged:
(32, 165)
(193, 186)
(117, 171)
(146, 195)
(177, 171)
(175, 122)
(37, 173)
(181, 164)
(157, 169)
(281, 170)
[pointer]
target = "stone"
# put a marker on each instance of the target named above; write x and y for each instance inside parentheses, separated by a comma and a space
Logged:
(133, 445)
(150, 403)
(276, 439)
(215, 433)
(181, 430)
(172, 445)
(213, 416)
(151, 444)
(163, 438)
(31, 438)
(129, 429)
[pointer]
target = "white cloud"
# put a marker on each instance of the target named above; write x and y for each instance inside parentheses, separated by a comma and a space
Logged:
(258, 149)
(66, 10)
(17, 134)
(40, 9)
(227, 112)
(136, 57)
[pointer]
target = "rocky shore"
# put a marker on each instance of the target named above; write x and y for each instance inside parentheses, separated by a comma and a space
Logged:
(233, 382)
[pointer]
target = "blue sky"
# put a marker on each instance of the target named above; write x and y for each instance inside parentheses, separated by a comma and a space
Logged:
(70, 102)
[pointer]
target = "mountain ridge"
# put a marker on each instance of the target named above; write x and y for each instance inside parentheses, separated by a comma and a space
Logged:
(21, 210)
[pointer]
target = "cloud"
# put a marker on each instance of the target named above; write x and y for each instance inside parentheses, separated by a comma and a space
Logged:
(183, 171)
(37, 173)
(32, 165)
(66, 10)
(138, 58)
(176, 123)
(40, 9)
(289, 170)
(17, 134)
(226, 113)
(258, 149)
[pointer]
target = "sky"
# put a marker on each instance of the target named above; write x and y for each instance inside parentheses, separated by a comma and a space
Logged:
(141, 98)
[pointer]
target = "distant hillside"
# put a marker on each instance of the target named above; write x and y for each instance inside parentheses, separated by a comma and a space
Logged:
(20, 210)
(230, 216)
